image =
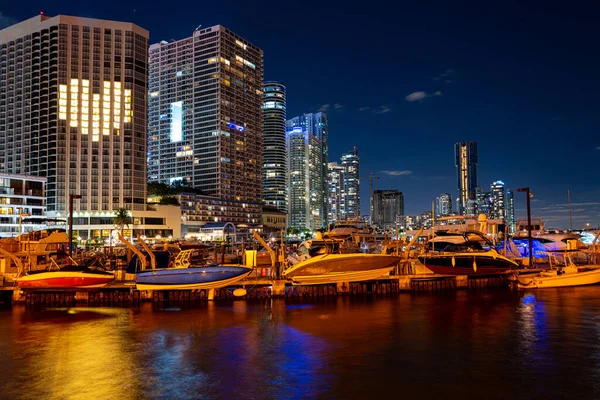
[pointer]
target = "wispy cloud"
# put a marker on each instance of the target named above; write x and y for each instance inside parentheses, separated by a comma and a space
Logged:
(597, 148)
(5, 20)
(396, 172)
(382, 109)
(448, 76)
(420, 96)
(561, 206)
(331, 107)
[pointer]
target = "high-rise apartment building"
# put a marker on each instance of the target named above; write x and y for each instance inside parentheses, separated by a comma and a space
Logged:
(274, 170)
(497, 203)
(73, 110)
(205, 120)
(465, 155)
(388, 208)
(483, 202)
(510, 211)
(336, 192)
(443, 204)
(307, 171)
(351, 163)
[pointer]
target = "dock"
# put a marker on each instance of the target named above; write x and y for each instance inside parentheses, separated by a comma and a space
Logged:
(122, 293)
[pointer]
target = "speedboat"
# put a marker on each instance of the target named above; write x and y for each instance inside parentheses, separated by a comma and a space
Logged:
(466, 256)
(570, 275)
(322, 261)
(184, 275)
(69, 275)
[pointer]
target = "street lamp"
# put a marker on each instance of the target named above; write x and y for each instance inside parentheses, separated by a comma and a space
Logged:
(21, 215)
(529, 195)
(71, 198)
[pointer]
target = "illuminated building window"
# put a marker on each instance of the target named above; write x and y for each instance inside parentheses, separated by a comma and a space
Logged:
(127, 106)
(63, 95)
(117, 85)
(85, 124)
(62, 88)
(106, 85)
(117, 111)
(73, 123)
(106, 98)
(127, 120)
(95, 138)
(74, 103)
(62, 115)
(62, 102)
(105, 132)
(96, 104)
(74, 82)
(106, 111)
(85, 82)
(62, 109)
(74, 96)
(85, 104)
(117, 92)
(117, 120)
(84, 131)
(96, 124)
(96, 131)
(86, 90)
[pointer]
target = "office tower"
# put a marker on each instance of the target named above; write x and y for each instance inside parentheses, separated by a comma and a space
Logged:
(388, 207)
(336, 190)
(465, 154)
(483, 204)
(510, 211)
(443, 204)
(73, 110)
(307, 171)
(274, 172)
(498, 204)
(205, 118)
(351, 163)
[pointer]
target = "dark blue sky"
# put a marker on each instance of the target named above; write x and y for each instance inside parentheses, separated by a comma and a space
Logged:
(522, 81)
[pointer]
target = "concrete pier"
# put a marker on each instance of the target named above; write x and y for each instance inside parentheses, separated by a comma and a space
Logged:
(123, 293)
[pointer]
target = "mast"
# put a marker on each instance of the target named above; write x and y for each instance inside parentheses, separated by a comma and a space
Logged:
(570, 212)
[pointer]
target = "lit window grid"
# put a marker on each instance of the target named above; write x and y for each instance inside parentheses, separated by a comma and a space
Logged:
(77, 112)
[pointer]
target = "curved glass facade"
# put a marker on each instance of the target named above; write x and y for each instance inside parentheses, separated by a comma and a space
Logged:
(274, 146)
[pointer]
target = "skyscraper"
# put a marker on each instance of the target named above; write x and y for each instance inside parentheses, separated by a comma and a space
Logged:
(510, 211)
(351, 163)
(307, 170)
(73, 110)
(388, 207)
(274, 173)
(483, 202)
(465, 154)
(498, 205)
(205, 118)
(443, 204)
(336, 191)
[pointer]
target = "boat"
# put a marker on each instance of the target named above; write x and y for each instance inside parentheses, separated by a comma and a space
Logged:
(64, 273)
(466, 256)
(566, 276)
(183, 275)
(322, 261)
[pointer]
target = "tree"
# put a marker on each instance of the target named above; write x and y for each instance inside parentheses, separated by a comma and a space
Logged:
(168, 200)
(122, 219)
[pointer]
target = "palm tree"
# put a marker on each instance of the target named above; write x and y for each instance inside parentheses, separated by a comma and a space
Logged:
(122, 219)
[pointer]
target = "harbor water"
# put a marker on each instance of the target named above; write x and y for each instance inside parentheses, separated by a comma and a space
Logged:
(492, 344)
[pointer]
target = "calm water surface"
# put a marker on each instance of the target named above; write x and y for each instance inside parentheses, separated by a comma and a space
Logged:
(493, 344)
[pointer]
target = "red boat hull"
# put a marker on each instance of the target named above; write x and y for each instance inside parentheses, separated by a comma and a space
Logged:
(63, 280)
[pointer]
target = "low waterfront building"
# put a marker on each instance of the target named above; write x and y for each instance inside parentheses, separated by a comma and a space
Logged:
(274, 221)
(22, 199)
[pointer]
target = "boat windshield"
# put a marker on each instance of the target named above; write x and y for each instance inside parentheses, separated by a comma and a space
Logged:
(464, 247)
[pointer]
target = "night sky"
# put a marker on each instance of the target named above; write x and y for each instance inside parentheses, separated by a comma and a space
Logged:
(404, 82)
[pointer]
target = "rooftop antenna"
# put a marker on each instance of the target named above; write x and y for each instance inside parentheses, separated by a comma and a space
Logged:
(198, 28)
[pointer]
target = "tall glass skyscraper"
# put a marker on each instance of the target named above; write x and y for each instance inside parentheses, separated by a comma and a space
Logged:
(274, 173)
(205, 119)
(498, 204)
(483, 203)
(443, 205)
(351, 163)
(73, 109)
(307, 171)
(465, 155)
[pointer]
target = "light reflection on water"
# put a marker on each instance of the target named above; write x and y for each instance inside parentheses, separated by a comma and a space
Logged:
(496, 344)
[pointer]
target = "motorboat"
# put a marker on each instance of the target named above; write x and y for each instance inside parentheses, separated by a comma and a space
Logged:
(570, 275)
(65, 274)
(185, 275)
(322, 261)
(465, 256)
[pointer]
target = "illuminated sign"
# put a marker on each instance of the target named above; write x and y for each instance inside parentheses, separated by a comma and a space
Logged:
(177, 121)
(240, 128)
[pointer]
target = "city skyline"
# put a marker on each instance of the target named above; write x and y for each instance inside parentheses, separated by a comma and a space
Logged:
(452, 86)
